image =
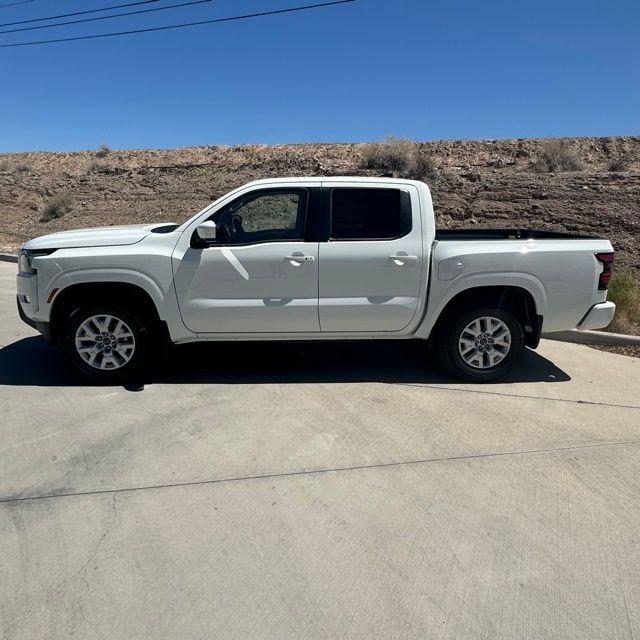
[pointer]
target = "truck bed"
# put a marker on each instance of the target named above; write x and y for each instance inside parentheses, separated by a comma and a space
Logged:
(508, 234)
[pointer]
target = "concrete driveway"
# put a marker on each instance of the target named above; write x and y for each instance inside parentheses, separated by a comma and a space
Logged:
(318, 491)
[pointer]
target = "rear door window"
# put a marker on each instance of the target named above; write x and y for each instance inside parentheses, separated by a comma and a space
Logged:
(369, 214)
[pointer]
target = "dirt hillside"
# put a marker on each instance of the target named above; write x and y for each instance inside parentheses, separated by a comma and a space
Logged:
(492, 183)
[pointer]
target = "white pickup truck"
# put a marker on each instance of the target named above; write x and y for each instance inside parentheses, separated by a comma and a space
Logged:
(311, 259)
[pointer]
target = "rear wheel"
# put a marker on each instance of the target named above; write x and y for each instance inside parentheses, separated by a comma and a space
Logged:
(105, 342)
(481, 344)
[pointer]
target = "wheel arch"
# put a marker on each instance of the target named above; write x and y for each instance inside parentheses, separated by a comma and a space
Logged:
(130, 296)
(516, 299)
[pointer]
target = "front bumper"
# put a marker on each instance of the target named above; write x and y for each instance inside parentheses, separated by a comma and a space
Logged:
(599, 316)
(43, 327)
(27, 287)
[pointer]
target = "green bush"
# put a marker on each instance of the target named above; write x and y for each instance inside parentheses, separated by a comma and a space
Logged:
(624, 290)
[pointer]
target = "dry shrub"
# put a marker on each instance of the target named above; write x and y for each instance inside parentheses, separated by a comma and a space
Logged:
(56, 207)
(624, 290)
(557, 155)
(400, 158)
(424, 165)
(103, 151)
(98, 166)
(12, 166)
(621, 162)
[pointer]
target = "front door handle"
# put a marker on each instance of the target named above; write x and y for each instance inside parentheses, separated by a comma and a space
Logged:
(400, 259)
(299, 259)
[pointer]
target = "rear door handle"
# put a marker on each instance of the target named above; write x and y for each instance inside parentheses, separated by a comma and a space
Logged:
(401, 260)
(300, 258)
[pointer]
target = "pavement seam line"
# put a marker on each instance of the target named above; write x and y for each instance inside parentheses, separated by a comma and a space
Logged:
(417, 385)
(305, 472)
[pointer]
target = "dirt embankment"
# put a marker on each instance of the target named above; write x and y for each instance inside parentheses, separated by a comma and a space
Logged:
(490, 183)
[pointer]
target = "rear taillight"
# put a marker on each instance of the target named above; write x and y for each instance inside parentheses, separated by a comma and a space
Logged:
(606, 259)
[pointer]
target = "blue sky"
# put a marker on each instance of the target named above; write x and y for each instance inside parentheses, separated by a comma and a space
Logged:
(425, 70)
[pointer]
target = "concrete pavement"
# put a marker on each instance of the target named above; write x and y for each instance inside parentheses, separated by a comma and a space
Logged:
(318, 491)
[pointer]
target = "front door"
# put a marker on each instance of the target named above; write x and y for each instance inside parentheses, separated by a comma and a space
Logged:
(371, 267)
(260, 275)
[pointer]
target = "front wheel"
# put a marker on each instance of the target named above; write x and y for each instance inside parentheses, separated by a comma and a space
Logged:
(106, 343)
(481, 344)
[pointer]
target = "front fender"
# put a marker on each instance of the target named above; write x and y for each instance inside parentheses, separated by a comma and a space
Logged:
(66, 279)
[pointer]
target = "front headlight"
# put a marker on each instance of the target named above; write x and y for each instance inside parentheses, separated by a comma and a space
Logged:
(24, 261)
(26, 256)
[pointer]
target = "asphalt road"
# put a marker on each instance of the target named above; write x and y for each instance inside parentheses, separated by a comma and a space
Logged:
(318, 491)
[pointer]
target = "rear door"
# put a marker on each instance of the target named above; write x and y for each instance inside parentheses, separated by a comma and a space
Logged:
(371, 267)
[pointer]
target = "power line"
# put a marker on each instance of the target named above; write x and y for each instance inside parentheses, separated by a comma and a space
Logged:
(12, 4)
(114, 15)
(180, 26)
(79, 13)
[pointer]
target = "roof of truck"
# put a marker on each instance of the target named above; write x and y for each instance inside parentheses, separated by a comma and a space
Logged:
(363, 179)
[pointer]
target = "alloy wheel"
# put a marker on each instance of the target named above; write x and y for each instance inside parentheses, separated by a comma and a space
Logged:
(484, 342)
(105, 342)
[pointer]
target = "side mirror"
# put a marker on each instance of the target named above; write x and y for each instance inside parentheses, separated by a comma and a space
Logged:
(207, 231)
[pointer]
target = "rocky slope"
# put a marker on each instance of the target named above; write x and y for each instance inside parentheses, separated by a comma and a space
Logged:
(489, 183)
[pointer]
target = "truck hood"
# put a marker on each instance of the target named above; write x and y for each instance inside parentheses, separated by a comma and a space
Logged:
(94, 237)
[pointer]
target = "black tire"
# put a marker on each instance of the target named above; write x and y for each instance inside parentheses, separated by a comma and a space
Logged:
(447, 342)
(126, 372)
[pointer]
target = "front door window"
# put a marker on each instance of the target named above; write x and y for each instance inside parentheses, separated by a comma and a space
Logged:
(267, 217)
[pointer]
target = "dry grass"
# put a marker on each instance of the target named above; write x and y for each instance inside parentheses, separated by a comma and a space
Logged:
(11, 166)
(557, 155)
(98, 166)
(56, 207)
(399, 158)
(620, 163)
(624, 290)
(424, 166)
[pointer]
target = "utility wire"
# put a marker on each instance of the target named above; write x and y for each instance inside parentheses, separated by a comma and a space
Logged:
(114, 15)
(12, 4)
(79, 13)
(180, 26)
